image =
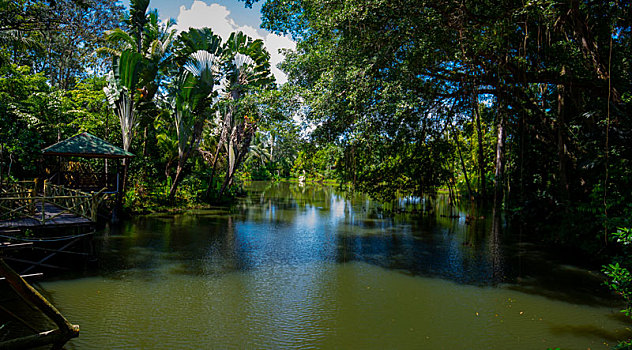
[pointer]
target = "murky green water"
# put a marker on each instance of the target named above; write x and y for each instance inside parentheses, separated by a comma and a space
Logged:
(303, 267)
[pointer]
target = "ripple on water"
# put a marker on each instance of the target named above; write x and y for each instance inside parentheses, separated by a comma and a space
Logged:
(352, 305)
(305, 268)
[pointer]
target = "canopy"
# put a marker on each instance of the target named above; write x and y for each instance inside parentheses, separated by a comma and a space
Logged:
(87, 146)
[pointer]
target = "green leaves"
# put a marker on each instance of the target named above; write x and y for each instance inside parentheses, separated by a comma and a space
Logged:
(620, 277)
(193, 40)
(127, 69)
(623, 236)
(621, 283)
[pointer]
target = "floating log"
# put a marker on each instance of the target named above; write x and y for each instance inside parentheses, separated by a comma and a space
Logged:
(57, 337)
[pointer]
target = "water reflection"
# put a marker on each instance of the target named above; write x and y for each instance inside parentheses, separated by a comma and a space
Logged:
(311, 267)
(281, 224)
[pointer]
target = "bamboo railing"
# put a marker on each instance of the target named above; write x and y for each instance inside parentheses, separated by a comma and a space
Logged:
(20, 200)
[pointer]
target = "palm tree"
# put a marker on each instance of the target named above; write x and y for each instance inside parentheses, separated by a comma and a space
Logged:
(122, 83)
(143, 52)
(154, 45)
(261, 149)
(17, 40)
(192, 92)
(246, 67)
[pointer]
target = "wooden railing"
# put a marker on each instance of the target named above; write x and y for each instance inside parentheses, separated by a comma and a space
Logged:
(18, 186)
(21, 200)
(17, 199)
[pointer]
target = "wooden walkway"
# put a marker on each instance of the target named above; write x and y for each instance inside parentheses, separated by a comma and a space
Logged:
(52, 215)
(22, 206)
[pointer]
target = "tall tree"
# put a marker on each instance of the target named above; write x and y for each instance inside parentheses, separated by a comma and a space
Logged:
(67, 32)
(377, 75)
(192, 93)
(133, 81)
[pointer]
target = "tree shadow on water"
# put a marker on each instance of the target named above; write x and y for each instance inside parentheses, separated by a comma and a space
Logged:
(589, 331)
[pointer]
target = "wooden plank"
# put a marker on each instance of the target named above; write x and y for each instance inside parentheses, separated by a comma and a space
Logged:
(39, 263)
(32, 275)
(8, 245)
(35, 263)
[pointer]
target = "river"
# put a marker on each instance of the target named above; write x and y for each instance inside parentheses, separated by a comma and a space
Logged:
(304, 267)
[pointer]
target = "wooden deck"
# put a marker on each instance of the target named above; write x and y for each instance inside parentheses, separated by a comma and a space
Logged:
(53, 216)
(22, 206)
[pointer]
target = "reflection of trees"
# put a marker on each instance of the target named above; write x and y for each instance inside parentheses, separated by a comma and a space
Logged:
(282, 223)
(495, 248)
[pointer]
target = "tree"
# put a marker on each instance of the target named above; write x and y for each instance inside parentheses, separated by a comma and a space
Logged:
(245, 67)
(133, 81)
(58, 38)
(388, 80)
(191, 95)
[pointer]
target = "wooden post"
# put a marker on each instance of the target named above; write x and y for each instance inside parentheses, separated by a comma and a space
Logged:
(94, 203)
(32, 195)
(43, 200)
(93, 208)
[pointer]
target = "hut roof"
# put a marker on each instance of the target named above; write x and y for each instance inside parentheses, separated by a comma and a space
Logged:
(86, 145)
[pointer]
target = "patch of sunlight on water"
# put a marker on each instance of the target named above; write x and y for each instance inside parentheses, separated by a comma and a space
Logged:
(321, 305)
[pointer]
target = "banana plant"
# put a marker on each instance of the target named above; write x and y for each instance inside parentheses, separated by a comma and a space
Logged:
(155, 47)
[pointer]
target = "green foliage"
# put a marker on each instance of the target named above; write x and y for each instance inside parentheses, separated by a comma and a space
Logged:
(394, 98)
(621, 283)
(57, 38)
(31, 116)
(623, 345)
(619, 275)
(407, 89)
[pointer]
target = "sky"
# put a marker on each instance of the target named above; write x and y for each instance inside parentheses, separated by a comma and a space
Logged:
(225, 17)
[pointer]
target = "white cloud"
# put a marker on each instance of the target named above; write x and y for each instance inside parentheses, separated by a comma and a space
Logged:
(217, 17)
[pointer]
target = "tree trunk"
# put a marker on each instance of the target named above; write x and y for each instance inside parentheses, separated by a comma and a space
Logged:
(145, 142)
(222, 139)
(561, 146)
(241, 138)
(481, 155)
(213, 165)
(176, 181)
(500, 157)
(467, 180)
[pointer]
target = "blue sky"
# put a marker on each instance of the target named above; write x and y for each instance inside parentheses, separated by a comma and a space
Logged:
(241, 14)
(225, 17)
